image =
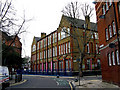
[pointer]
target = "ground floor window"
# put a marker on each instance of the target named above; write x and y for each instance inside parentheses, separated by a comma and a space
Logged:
(61, 65)
(66, 65)
(44, 67)
(98, 64)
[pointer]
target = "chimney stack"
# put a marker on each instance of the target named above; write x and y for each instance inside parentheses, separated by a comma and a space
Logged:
(43, 35)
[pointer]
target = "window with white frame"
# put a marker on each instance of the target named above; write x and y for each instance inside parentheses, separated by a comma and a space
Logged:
(44, 42)
(88, 51)
(69, 47)
(103, 8)
(37, 45)
(66, 48)
(59, 36)
(50, 39)
(117, 57)
(34, 48)
(113, 58)
(62, 35)
(109, 59)
(59, 49)
(96, 35)
(106, 32)
(110, 31)
(106, 4)
(114, 31)
(53, 37)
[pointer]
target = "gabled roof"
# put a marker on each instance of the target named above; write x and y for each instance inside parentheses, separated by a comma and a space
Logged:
(80, 23)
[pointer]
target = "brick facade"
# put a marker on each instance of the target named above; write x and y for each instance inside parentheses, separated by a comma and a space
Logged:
(108, 25)
(57, 52)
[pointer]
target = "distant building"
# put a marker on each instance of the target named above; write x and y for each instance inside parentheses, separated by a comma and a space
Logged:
(108, 25)
(57, 52)
(9, 42)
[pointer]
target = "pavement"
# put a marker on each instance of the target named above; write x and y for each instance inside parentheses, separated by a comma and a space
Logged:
(93, 82)
(85, 82)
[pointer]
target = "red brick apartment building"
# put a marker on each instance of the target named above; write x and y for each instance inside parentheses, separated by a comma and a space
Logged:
(57, 53)
(108, 25)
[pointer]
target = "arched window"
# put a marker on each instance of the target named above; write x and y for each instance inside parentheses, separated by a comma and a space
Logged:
(113, 58)
(109, 59)
(117, 57)
(114, 31)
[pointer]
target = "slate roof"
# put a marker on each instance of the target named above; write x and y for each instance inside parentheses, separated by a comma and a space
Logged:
(80, 23)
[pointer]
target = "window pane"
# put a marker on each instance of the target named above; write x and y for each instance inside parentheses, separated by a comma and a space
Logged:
(103, 10)
(117, 56)
(113, 58)
(109, 59)
(114, 31)
(110, 31)
(106, 30)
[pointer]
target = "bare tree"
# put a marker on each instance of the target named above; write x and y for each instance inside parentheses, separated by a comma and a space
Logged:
(10, 23)
(73, 10)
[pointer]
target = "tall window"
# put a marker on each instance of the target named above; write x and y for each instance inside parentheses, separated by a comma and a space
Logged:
(88, 51)
(96, 48)
(69, 47)
(103, 8)
(106, 32)
(50, 39)
(34, 47)
(66, 47)
(56, 51)
(117, 57)
(48, 53)
(68, 31)
(59, 36)
(109, 59)
(44, 54)
(37, 45)
(113, 58)
(53, 51)
(59, 49)
(66, 64)
(114, 31)
(53, 37)
(110, 31)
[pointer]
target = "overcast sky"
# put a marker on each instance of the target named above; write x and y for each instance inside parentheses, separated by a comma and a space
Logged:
(45, 15)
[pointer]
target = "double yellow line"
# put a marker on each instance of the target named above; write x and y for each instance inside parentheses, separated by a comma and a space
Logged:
(18, 83)
(70, 85)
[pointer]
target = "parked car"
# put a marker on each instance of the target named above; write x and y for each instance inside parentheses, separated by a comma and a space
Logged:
(4, 76)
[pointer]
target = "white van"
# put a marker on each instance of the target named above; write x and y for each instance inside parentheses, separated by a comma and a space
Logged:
(4, 74)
